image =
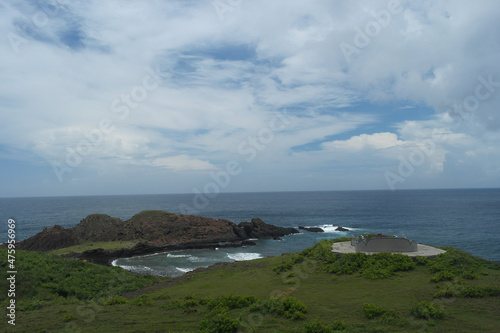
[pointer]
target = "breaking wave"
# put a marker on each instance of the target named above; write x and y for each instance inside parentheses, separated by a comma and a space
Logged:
(184, 270)
(243, 256)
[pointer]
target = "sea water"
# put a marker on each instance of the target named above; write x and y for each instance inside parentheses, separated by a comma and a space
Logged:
(467, 219)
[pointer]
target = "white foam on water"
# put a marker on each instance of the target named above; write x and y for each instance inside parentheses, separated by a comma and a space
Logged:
(244, 256)
(184, 270)
(132, 267)
(197, 259)
(328, 228)
(170, 255)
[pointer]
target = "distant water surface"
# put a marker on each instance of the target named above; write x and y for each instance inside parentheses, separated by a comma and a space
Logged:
(467, 219)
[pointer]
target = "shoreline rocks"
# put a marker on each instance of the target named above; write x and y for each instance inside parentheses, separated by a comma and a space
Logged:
(154, 231)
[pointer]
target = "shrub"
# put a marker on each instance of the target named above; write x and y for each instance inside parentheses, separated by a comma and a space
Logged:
(421, 260)
(462, 288)
(114, 300)
(30, 305)
(143, 300)
(349, 263)
(288, 307)
(317, 327)
(375, 266)
(69, 317)
(455, 263)
(426, 310)
(322, 250)
(443, 276)
(288, 265)
(371, 310)
(219, 322)
(230, 302)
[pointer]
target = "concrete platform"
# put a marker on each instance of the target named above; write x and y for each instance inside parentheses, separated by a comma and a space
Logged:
(423, 250)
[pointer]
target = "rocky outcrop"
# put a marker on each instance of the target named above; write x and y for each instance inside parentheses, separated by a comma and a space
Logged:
(49, 239)
(312, 229)
(259, 229)
(341, 229)
(153, 231)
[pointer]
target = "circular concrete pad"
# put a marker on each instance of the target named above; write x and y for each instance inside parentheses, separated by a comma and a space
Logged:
(423, 250)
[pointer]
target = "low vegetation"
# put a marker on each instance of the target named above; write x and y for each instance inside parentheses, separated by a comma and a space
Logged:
(314, 291)
(116, 245)
(46, 277)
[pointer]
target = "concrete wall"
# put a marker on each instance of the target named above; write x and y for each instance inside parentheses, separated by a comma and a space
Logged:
(375, 244)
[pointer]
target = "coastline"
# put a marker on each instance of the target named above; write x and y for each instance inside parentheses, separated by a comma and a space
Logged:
(106, 257)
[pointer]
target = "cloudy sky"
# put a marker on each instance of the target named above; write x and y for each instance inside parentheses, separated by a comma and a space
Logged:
(164, 96)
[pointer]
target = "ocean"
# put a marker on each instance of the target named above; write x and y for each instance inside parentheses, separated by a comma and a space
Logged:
(467, 219)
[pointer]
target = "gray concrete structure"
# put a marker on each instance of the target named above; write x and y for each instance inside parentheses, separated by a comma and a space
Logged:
(384, 244)
(423, 250)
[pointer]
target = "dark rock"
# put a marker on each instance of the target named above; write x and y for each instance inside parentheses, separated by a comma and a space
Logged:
(341, 229)
(259, 229)
(312, 229)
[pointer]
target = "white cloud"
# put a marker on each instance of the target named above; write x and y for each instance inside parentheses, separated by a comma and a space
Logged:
(365, 141)
(222, 81)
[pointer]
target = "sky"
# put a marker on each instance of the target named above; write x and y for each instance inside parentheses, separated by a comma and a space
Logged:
(204, 97)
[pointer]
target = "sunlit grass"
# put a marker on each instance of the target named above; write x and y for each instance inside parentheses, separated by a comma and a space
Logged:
(116, 245)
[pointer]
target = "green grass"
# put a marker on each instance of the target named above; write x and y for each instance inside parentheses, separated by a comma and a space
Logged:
(256, 296)
(47, 277)
(115, 245)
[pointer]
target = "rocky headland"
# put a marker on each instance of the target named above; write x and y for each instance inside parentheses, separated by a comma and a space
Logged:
(152, 231)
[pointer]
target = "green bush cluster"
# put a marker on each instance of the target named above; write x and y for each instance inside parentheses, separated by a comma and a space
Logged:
(455, 263)
(375, 266)
(426, 310)
(143, 300)
(47, 276)
(219, 322)
(230, 302)
(219, 318)
(372, 311)
(461, 288)
(189, 303)
(318, 327)
(288, 307)
(288, 264)
(112, 300)
(321, 252)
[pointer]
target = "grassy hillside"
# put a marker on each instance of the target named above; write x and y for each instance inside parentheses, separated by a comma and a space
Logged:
(313, 291)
